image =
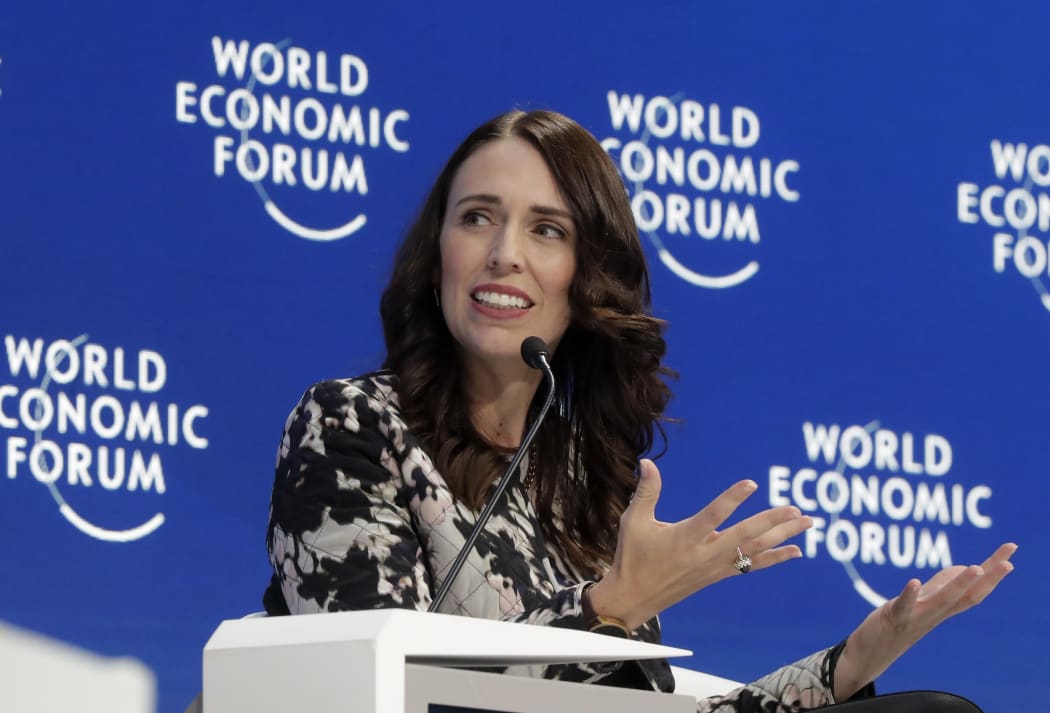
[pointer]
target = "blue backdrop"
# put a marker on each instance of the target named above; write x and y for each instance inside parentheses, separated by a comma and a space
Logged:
(846, 215)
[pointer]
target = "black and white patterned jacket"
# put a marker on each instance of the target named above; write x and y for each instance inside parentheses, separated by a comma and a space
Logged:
(360, 518)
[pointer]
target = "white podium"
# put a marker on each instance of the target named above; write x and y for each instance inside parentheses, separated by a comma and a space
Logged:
(395, 661)
(39, 674)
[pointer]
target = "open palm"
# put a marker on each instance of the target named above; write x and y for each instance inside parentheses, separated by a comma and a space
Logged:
(896, 625)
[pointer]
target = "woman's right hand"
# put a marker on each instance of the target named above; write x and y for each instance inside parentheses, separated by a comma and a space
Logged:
(658, 564)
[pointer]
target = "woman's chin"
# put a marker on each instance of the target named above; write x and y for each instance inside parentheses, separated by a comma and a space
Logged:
(505, 354)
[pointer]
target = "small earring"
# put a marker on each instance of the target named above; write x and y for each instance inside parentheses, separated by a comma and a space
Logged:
(437, 298)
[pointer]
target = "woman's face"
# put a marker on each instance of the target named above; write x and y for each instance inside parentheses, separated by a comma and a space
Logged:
(508, 253)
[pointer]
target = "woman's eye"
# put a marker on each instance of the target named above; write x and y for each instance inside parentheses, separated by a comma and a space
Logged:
(475, 218)
(550, 231)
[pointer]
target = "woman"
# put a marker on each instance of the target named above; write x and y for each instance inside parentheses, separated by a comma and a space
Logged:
(528, 231)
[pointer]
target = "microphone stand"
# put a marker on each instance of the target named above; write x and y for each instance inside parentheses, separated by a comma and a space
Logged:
(501, 487)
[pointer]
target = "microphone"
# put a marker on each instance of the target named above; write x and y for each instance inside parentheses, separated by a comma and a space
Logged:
(536, 354)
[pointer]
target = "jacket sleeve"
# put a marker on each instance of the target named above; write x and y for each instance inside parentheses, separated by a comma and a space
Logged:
(803, 685)
(339, 536)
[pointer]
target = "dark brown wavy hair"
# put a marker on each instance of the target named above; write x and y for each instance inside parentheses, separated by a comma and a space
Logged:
(611, 392)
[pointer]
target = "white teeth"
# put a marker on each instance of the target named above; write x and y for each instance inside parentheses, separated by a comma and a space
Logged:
(501, 300)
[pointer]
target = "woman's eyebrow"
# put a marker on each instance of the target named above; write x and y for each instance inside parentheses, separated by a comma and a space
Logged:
(550, 210)
(481, 197)
(493, 199)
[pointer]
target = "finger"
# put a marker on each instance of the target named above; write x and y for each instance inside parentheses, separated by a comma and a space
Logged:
(950, 596)
(903, 604)
(746, 531)
(1002, 554)
(718, 510)
(994, 569)
(909, 595)
(643, 503)
(774, 556)
(778, 534)
(937, 581)
(983, 586)
(991, 565)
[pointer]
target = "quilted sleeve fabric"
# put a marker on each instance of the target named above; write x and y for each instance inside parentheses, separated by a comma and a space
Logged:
(800, 686)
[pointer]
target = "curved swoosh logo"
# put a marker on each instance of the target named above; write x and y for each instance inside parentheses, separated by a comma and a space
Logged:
(711, 281)
(312, 233)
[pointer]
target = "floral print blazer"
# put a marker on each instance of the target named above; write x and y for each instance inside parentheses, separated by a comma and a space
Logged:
(360, 518)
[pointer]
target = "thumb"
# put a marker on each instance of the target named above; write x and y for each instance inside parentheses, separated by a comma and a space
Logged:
(904, 602)
(648, 490)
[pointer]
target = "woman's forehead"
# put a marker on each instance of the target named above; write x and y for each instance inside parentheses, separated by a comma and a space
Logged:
(506, 170)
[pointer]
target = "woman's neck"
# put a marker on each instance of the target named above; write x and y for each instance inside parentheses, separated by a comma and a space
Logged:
(499, 400)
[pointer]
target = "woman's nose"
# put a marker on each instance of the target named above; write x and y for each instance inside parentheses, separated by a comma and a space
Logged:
(506, 250)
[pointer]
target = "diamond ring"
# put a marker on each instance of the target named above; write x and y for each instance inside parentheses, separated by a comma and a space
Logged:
(743, 562)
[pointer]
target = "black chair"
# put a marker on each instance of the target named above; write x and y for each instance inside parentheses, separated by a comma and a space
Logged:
(908, 702)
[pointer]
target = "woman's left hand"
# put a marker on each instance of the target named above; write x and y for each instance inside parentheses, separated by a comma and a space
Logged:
(891, 629)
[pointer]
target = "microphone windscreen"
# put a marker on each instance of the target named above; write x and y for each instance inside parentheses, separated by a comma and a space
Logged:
(532, 349)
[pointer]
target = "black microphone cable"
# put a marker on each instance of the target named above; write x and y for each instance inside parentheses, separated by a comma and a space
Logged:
(535, 353)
